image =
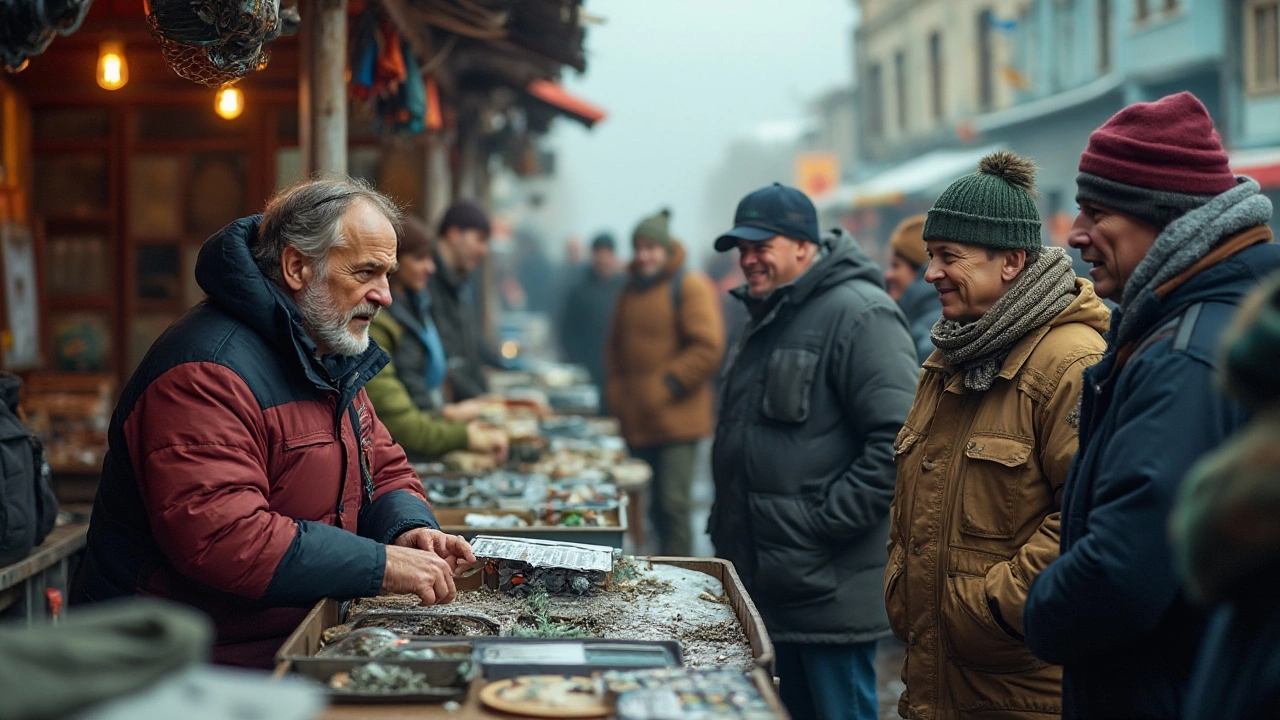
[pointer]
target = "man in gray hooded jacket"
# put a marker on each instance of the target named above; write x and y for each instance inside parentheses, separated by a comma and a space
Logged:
(813, 396)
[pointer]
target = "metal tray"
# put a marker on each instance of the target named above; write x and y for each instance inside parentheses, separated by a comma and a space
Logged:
(504, 657)
(451, 678)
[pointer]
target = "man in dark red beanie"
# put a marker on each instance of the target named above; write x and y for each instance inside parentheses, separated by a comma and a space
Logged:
(1177, 240)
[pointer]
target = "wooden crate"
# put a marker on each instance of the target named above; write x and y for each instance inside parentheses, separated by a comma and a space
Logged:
(611, 534)
(305, 640)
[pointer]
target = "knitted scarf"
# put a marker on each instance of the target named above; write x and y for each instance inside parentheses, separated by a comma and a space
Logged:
(1184, 241)
(1041, 293)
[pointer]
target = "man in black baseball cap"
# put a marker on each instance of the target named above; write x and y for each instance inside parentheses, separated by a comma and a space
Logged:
(776, 229)
(811, 402)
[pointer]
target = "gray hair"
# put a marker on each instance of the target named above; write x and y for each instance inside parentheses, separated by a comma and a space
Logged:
(308, 216)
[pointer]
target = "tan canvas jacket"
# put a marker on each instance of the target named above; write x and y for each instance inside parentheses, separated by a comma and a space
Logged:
(975, 518)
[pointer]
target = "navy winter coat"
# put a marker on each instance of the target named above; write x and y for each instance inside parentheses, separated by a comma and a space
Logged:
(1109, 609)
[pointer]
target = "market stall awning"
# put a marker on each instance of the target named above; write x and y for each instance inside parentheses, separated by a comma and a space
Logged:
(554, 94)
(1261, 165)
(928, 174)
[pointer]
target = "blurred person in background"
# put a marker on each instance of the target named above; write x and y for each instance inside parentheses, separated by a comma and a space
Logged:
(664, 346)
(983, 456)
(1178, 240)
(584, 322)
(811, 400)
(462, 244)
(1226, 531)
(904, 280)
(408, 390)
(535, 273)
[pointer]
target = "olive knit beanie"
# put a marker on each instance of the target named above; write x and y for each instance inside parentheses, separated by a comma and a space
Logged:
(994, 207)
(656, 228)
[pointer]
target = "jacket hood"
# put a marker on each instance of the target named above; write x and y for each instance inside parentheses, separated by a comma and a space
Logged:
(227, 273)
(840, 261)
(1087, 308)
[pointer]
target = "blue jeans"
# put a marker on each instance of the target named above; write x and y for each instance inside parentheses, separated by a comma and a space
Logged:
(828, 682)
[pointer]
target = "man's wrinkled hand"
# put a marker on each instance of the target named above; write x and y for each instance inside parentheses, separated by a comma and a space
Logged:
(418, 572)
(454, 550)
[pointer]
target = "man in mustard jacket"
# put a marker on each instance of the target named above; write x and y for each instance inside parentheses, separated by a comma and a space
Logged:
(985, 451)
(663, 348)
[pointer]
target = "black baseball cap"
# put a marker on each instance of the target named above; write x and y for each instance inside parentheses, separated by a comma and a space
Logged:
(770, 211)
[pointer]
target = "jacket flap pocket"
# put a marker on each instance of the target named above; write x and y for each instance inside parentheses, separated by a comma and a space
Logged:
(307, 439)
(906, 438)
(1003, 449)
(789, 383)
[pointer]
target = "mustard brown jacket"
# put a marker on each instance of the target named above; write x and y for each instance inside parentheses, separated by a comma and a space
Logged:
(975, 519)
(660, 358)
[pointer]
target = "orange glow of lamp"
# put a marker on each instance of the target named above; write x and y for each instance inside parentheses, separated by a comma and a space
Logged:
(229, 102)
(113, 69)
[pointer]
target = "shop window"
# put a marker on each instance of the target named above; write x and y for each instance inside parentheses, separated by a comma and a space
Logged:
(217, 194)
(186, 122)
(80, 341)
(1104, 36)
(70, 185)
(875, 101)
(900, 77)
(1262, 46)
(936, 79)
(986, 61)
(80, 123)
(155, 196)
(76, 265)
(157, 268)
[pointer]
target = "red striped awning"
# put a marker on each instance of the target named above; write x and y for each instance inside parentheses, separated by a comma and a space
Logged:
(554, 94)
(1261, 165)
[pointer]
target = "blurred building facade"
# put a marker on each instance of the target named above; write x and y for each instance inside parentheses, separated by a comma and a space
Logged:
(940, 82)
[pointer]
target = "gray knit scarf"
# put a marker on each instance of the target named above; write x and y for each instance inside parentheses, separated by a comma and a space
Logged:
(1041, 293)
(1184, 241)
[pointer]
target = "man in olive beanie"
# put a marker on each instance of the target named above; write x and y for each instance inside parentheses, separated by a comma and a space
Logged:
(1177, 240)
(984, 453)
(664, 347)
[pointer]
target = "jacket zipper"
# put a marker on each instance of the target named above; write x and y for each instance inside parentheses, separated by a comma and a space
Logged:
(950, 491)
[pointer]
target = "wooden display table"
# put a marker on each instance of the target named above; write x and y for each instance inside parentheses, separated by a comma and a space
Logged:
(49, 566)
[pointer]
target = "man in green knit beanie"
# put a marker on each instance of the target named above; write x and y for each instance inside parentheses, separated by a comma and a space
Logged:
(986, 448)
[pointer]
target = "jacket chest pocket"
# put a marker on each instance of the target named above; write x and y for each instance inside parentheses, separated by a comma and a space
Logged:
(314, 455)
(788, 384)
(997, 468)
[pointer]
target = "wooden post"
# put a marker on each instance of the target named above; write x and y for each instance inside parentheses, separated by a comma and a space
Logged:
(437, 185)
(328, 66)
(304, 92)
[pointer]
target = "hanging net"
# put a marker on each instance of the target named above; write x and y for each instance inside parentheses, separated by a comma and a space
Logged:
(214, 42)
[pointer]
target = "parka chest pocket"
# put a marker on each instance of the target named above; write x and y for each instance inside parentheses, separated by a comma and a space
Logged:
(993, 481)
(789, 383)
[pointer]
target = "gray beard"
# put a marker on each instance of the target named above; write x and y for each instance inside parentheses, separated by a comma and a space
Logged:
(328, 325)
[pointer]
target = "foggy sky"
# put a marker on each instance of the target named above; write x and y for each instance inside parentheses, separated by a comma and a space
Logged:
(682, 79)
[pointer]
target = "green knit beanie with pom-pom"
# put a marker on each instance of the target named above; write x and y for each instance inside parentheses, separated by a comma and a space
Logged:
(994, 207)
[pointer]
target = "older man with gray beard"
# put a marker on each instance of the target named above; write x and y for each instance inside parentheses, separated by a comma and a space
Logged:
(247, 473)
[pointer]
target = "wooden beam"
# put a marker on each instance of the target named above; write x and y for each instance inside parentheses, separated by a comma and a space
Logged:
(327, 67)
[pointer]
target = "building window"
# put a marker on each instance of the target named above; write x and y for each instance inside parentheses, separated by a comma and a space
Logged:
(875, 101)
(1262, 46)
(900, 77)
(1104, 35)
(1170, 5)
(986, 62)
(935, 75)
(1143, 8)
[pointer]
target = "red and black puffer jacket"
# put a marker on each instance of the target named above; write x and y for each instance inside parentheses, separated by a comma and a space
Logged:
(245, 476)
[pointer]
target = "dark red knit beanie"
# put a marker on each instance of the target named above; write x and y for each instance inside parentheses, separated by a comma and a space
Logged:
(1167, 145)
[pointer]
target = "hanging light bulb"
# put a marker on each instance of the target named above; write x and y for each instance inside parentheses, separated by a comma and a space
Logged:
(229, 102)
(113, 70)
